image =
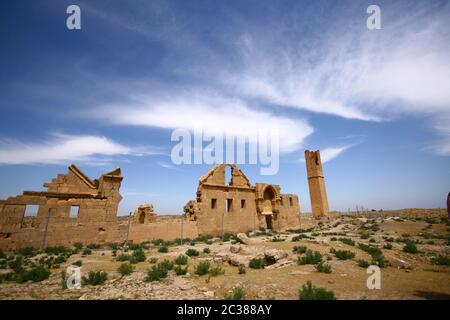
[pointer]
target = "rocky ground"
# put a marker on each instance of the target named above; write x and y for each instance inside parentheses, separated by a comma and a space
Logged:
(405, 275)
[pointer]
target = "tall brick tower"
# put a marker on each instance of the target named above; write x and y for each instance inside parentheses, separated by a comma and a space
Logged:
(317, 191)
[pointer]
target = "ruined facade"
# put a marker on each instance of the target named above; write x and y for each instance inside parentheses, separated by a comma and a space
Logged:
(237, 206)
(316, 183)
(75, 208)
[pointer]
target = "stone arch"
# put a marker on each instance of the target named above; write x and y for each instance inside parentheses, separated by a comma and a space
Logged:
(268, 205)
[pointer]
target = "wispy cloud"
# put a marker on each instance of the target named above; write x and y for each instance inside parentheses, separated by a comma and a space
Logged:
(166, 165)
(328, 154)
(212, 114)
(62, 149)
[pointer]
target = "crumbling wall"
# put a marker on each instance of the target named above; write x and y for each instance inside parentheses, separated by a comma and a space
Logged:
(94, 220)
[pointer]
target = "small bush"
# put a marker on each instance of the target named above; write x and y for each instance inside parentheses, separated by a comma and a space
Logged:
(325, 268)
(123, 257)
(441, 260)
(56, 250)
(86, 252)
(299, 249)
(2, 254)
(410, 247)
(242, 270)
(36, 274)
(93, 246)
(310, 292)
(202, 268)
(27, 252)
(153, 260)
(125, 269)
(206, 250)
(364, 235)
(343, 254)
(256, 263)
(238, 294)
(181, 260)
(137, 256)
(179, 271)
(156, 273)
(347, 241)
(78, 245)
(78, 263)
(60, 259)
(431, 220)
(192, 253)
(387, 246)
(310, 258)
(216, 270)
(16, 265)
(163, 249)
(95, 278)
(166, 264)
(113, 246)
(363, 263)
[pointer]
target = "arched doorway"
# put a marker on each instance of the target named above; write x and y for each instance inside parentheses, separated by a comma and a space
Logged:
(268, 203)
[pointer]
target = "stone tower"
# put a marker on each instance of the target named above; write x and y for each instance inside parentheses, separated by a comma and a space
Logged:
(316, 183)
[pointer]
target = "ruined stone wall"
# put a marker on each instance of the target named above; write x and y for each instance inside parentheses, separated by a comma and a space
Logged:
(168, 229)
(93, 205)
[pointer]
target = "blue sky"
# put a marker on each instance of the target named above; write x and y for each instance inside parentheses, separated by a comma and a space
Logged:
(375, 102)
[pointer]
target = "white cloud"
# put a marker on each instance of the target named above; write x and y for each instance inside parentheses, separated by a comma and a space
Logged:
(62, 149)
(212, 114)
(166, 165)
(349, 71)
(328, 154)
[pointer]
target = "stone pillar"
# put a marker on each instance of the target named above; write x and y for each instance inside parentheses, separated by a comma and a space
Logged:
(316, 183)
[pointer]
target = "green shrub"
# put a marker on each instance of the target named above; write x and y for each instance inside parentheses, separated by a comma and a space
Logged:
(192, 253)
(431, 220)
(310, 258)
(78, 245)
(242, 270)
(365, 235)
(216, 270)
(299, 249)
(137, 256)
(2, 254)
(86, 252)
(27, 251)
(363, 263)
(181, 259)
(56, 250)
(410, 247)
(60, 259)
(123, 257)
(310, 292)
(441, 260)
(153, 260)
(179, 270)
(343, 254)
(333, 239)
(238, 294)
(125, 269)
(113, 246)
(228, 236)
(95, 278)
(93, 246)
(202, 268)
(387, 246)
(347, 241)
(156, 273)
(372, 240)
(277, 239)
(166, 264)
(163, 249)
(256, 263)
(325, 268)
(205, 238)
(206, 250)
(36, 274)
(16, 265)
(78, 263)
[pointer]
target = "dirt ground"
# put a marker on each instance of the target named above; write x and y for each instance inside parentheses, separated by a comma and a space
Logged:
(407, 276)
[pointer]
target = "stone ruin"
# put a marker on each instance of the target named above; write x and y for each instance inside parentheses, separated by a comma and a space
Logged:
(75, 208)
(316, 183)
(237, 206)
